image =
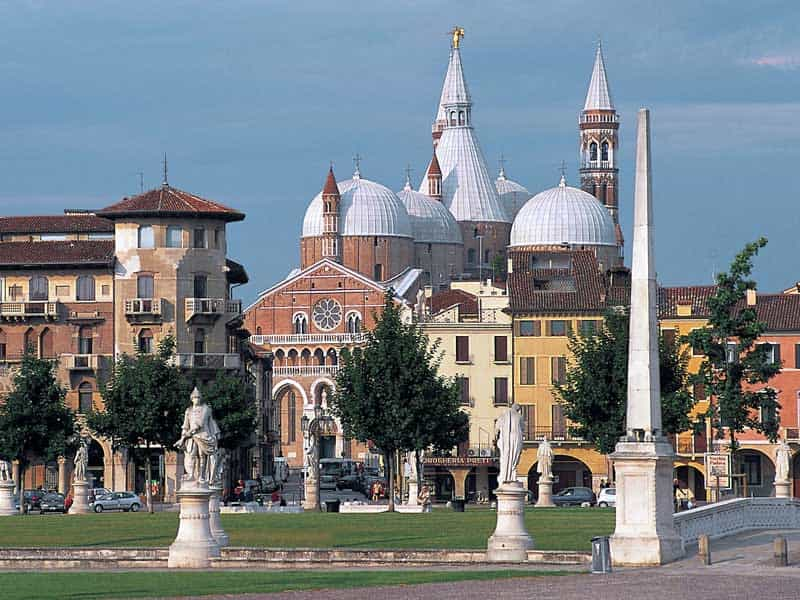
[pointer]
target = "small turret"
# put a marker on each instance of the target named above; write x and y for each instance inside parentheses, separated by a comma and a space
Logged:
(330, 217)
(435, 179)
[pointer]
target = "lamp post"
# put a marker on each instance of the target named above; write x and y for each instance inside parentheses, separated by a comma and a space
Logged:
(313, 429)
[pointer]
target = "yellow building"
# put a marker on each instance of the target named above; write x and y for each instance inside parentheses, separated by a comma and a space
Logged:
(551, 294)
(474, 332)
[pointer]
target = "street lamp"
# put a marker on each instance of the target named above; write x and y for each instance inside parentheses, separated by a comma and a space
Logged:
(313, 429)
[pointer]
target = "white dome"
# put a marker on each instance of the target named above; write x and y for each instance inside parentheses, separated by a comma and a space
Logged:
(560, 215)
(513, 195)
(431, 222)
(365, 208)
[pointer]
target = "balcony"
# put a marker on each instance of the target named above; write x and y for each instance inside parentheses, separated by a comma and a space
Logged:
(305, 370)
(143, 309)
(85, 362)
(208, 361)
(553, 434)
(300, 339)
(27, 309)
(211, 308)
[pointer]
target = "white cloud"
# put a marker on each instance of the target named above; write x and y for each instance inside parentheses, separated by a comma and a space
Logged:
(776, 61)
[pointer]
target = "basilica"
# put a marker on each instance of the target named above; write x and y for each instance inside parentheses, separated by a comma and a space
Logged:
(360, 238)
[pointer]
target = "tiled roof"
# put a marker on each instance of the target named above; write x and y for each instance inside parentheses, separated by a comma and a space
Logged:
(56, 224)
(780, 312)
(545, 290)
(330, 188)
(73, 253)
(168, 200)
(697, 295)
(468, 303)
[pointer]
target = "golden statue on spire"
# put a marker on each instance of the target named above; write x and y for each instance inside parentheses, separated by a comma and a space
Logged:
(457, 33)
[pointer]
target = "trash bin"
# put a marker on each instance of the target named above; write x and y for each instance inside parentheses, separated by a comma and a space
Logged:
(457, 504)
(601, 555)
(332, 505)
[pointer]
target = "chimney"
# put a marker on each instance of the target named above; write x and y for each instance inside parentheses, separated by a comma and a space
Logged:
(751, 297)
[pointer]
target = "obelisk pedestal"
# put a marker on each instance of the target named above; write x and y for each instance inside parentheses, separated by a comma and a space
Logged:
(194, 546)
(413, 492)
(7, 508)
(213, 517)
(545, 499)
(783, 489)
(510, 541)
(312, 500)
(80, 498)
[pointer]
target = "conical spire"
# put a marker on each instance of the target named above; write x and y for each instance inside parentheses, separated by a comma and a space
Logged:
(644, 385)
(434, 178)
(599, 96)
(330, 184)
(454, 89)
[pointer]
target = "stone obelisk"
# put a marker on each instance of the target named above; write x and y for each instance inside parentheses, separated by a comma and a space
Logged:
(645, 532)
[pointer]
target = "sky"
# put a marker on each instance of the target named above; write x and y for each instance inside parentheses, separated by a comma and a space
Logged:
(252, 100)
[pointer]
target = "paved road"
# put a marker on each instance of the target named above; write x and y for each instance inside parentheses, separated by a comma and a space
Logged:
(741, 570)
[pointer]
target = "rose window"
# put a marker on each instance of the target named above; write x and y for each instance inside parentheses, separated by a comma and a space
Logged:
(327, 314)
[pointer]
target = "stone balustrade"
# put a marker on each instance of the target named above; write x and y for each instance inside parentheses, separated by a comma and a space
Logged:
(736, 516)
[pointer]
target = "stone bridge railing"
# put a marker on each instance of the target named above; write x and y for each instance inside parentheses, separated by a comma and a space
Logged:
(735, 516)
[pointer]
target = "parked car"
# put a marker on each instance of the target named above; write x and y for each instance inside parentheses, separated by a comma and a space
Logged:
(33, 499)
(607, 497)
(574, 496)
(97, 492)
(53, 502)
(123, 501)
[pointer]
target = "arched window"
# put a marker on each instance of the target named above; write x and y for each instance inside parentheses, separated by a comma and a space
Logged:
(305, 357)
(258, 330)
(333, 358)
(146, 341)
(471, 256)
(292, 358)
(300, 323)
(353, 323)
(461, 117)
(319, 356)
(593, 151)
(85, 397)
(145, 237)
(30, 342)
(280, 357)
(85, 288)
(2, 345)
(604, 151)
(452, 117)
(37, 287)
(291, 413)
(200, 341)
(85, 340)
(46, 349)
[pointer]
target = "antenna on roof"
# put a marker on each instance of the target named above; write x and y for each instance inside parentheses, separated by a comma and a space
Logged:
(165, 182)
(141, 181)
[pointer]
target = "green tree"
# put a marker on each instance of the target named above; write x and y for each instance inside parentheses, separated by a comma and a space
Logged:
(594, 394)
(734, 382)
(232, 402)
(500, 267)
(34, 421)
(390, 393)
(144, 401)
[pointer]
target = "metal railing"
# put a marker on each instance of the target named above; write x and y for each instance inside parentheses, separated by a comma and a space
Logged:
(208, 361)
(143, 306)
(553, 434)
(306, 370)
(29, 308)
(308, 338)
(212, 306)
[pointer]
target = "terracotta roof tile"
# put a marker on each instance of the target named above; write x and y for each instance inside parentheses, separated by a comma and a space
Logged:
(433, 167)
(73, 253)
(468, 303)
(56, 224)
(697, 295)
(780, 312)
(330, 189)
(168, 200)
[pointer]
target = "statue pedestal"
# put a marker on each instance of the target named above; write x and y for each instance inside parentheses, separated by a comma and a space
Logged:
(413, 493)
(783, 489)
(545, 493)
(7, 507)
(194, 546)
(510, 541)
(645, 532)
(312, 501)
(214, 521)
(80, 498)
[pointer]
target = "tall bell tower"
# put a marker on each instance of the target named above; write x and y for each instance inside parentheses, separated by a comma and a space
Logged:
(599, 143)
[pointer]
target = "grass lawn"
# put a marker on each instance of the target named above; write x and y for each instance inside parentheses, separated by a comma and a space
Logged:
(148, 584)
(552, 529)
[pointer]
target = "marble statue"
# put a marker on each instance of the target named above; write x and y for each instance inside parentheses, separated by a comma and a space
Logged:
(5, 470)
(81, 460)
(782, 457)
(312, 454)
(544, 458)
(411, 457)
(508, 429)
(220, 467)
(199, 436)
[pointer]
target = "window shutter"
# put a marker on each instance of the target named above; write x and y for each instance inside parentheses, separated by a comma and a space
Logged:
(464, 382)
(776, 353)
(500, 348)
(500, 390)
(528, 420)
(462, 348)
(537, 328)
(797, 356)
(559, 425)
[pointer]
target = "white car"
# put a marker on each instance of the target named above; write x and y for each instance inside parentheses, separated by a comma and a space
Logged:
(607, 497)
